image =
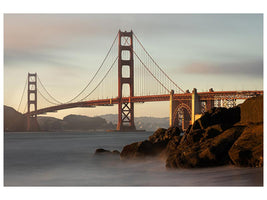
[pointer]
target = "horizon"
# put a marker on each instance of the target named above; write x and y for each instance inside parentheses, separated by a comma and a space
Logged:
(219, 51)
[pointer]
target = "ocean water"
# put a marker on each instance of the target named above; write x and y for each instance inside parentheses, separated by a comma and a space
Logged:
(67, 159)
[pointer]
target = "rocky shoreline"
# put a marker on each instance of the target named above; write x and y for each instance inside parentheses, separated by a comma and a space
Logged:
(220, 137)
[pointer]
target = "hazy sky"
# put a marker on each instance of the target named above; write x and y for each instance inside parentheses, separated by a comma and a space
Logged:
(222, 51)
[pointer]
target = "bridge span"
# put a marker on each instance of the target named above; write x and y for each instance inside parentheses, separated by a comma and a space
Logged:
(218, 98)
(185, 106)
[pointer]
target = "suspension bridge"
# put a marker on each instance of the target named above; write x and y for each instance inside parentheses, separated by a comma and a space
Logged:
(136, 79)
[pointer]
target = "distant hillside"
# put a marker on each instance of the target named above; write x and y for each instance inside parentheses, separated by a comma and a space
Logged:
(13, 120)
(74, 122)
(141, 123)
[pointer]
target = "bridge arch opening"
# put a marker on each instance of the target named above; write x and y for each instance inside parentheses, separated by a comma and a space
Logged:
(182, 116)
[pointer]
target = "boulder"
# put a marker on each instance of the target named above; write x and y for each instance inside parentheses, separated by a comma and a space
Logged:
(106, 152)
(173, 144)
(196, 150)
(138, 150)
(115, 152)
(163, 135)
(252, 110)
(151, 147)
(247, 150)
(223, 116)
(213, 131)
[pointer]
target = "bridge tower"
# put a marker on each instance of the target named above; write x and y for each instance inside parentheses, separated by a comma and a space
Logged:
(125, 109)
(32, 124)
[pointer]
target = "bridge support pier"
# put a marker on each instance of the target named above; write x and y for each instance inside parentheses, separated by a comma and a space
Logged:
(196, 106)
(125, 109)
(179, 113)
(32, 124)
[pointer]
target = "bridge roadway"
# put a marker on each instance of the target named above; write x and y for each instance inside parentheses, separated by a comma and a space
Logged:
(217, 95)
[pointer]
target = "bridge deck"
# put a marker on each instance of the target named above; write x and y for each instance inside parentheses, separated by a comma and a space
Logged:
(218, 95)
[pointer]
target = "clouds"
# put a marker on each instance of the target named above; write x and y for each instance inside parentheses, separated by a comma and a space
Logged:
(252, 68)
(72, 46)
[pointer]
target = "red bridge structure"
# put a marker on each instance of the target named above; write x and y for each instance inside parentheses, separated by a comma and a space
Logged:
(139, 79)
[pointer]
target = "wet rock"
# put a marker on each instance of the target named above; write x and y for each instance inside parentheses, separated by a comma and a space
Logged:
(247, 150)
(137, 149)
(151, 147)
(106, 152)
(116, 152)
(173, 144)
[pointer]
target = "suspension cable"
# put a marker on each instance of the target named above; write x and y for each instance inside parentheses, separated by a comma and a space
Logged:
(151, 73)
(126, 41)
(23, 93)
(156, 63)
(48, 92)
(45, 98)
(148, 69)
(96, 71)
(101, 79)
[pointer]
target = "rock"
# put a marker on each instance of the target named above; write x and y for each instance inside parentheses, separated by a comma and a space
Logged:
(163, 135)
(209, 152)
(173, 144)
(116, 152)
(247, 150)
(137, 149)
(151, 147)
(106, 152)
(194, 136)
(159, 133)
(220, 145)
(213, 131)
(252, 110)
(225, 117)
(221, 136)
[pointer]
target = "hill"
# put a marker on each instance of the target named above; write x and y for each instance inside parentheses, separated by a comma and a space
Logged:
(13, 120)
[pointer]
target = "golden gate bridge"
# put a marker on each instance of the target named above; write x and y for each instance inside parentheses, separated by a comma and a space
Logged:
(137, 79)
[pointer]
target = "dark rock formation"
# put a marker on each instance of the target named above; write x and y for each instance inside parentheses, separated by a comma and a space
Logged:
(152, 147)
(106, 152)
(221, 136)
(13, 120)
(247, 150)
(252, 110)
(222, 116)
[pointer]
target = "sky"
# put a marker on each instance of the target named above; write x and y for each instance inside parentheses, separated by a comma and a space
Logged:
(219, 51)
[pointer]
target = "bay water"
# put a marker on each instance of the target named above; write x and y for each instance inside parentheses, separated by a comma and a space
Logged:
(67, 159)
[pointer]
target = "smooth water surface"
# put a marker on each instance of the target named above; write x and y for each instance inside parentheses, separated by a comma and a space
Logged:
(67, 159)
